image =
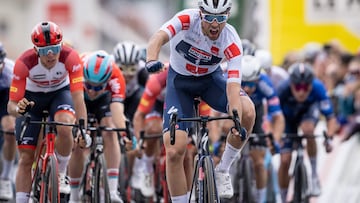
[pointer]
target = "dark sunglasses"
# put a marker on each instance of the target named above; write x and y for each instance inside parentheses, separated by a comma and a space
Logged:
(95, 88)
(209, 18)
(301, 86)
(248, 84)
(355, 72)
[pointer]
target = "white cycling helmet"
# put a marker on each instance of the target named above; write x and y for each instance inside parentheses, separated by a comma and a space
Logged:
(250, 67)
(215, 6)
(127, 54)
(265, 58)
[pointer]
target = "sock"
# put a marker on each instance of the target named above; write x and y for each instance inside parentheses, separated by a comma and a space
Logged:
(113, 175)
(7, 166)
(283, 193)
(148, 163)
(313, 166)
(261, 195)
(62, 162)
(180, 199)
(75, 189)
(227, 158)
(22, 197)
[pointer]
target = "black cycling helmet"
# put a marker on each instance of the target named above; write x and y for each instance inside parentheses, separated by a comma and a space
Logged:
(248, 47)
(301, 73)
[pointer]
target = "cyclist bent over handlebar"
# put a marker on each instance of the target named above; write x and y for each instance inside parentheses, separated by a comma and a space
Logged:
(46, 77)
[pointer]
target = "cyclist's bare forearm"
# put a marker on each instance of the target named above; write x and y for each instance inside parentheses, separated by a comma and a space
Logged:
(117, 111)
(79, 105)
(278, 126)
(156, 42)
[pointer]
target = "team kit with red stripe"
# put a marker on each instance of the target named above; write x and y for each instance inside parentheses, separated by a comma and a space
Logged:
(195, 65)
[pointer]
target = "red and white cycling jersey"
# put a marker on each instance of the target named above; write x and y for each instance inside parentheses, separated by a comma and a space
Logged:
(193, 53)
(31, 75)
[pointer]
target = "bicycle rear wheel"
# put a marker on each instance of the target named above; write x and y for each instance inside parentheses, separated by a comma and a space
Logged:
(51, 181)
(300, 183)
(101, 186)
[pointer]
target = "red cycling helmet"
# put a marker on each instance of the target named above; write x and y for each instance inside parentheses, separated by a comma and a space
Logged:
(45, 34)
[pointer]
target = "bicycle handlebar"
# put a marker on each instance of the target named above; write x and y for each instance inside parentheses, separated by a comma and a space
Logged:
(204, 119)
(28, 121)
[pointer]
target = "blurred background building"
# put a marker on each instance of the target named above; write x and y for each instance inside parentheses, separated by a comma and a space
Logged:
(277, 25)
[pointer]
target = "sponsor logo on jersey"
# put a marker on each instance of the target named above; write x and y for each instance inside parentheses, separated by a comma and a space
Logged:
(214, 50)
(274, 101)
(233, 74)
(76, 80)
(13, 89)
(76, 68)
(144, 102)
(115, 85)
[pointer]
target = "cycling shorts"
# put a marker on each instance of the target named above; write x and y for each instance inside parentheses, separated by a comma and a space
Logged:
(59, 100)
(181, 91)
(292, 124)
(99, 107)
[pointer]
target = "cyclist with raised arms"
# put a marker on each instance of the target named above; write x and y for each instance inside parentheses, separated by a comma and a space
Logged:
(46, 77)
(104, 91)
(259, 87)
(200, 39)
(302, 96)
(7, 125)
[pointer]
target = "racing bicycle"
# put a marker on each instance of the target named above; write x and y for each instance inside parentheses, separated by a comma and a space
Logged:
(94, 181)
(203, 185)
(45, 180)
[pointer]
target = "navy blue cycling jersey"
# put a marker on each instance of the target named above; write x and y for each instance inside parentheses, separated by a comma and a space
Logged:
(293, 109)
(266, 90)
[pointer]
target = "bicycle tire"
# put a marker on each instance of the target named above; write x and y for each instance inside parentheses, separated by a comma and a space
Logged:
(36, 187)
(248, 177)
(300, 183)
(123, 179)
(85, 193)
(270, 185)
(101, 181)
(51, 181)
(210, 193)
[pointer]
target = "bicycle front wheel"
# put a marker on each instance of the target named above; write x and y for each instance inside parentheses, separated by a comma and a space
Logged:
(50, 192)
(210, 192)
(300, 183)
(101, 186)
(36, 183)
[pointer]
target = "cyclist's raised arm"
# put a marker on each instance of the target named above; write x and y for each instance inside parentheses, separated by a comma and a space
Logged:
(155, 43)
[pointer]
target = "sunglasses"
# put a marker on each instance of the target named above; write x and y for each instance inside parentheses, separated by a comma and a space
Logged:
(209, 18)
(302, 86)
(129, 69)
(355, 72)
(53, 49)
(95, 88)
(248, 84)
